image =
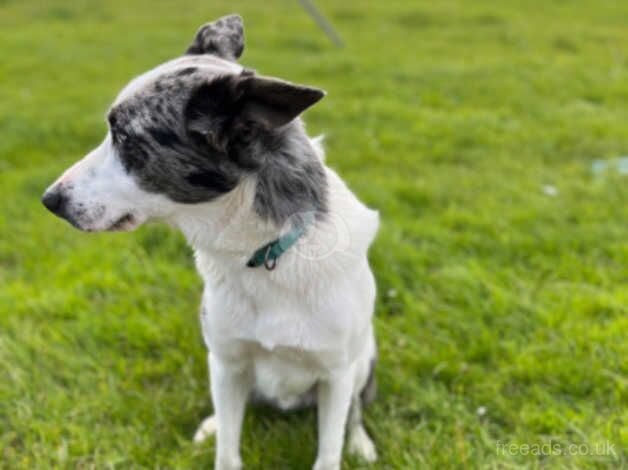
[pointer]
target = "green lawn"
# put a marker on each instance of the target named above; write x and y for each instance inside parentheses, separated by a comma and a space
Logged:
(502, 312)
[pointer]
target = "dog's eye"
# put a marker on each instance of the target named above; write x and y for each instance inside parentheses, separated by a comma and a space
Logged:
(118, 136)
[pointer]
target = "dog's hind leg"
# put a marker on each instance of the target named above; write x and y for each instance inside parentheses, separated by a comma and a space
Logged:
(359, 443)
(206, 429)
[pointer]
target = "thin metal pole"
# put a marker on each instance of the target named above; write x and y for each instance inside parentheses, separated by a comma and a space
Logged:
(322, 22)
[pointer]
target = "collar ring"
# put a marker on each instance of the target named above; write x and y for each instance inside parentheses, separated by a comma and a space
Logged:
(269, 263)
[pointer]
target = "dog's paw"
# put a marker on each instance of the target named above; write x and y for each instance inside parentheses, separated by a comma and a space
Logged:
(360, 444)
(234, 463)
(324, 464)
(206, 429)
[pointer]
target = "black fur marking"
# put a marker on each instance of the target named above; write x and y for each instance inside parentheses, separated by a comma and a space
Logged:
(164, 137)
(216, 99)
(189, 137)
(186, 71)
(133, 154)
(223, 38)
(293, 181)
(291, 178)
(112, 119)
(214, 180)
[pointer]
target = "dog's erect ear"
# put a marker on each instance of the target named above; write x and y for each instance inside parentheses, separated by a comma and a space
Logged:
(269, 102)
(223, 38)
(273, 102)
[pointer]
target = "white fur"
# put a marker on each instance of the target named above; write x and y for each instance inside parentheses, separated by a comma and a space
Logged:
(281, 332)
(360, 444)
(306, 322)
(99, 187)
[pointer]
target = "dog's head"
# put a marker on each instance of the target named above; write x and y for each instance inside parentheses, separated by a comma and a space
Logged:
(185, 132)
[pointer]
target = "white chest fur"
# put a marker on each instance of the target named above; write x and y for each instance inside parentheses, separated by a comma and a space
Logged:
(305, 317)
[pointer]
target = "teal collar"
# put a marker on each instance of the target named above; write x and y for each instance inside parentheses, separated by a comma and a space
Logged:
(268, 254)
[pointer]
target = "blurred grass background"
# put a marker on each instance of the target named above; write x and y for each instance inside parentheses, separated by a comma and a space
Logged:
(502, 261)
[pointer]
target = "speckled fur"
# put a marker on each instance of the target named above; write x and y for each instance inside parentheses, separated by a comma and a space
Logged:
(220, 152)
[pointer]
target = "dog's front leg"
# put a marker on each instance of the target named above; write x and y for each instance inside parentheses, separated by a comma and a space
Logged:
(230, 385)
(334, 398)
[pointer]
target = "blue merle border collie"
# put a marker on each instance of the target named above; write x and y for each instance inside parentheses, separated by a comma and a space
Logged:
(220, 152)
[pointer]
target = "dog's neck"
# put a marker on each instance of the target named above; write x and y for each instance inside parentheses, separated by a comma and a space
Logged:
(290, 186)
(228, 225)
(291, 179)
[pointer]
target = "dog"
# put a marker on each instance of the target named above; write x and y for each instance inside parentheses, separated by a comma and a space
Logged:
(220, 152)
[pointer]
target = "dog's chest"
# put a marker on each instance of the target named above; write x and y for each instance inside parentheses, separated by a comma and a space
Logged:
(272, 319)
(280, 337)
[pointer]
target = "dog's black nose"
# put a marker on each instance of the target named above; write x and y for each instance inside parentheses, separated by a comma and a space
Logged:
(54, 201)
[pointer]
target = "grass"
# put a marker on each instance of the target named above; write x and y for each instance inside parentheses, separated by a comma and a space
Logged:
(502, 310)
